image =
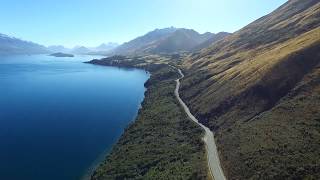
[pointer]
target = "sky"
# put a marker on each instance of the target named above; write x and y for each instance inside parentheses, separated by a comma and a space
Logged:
(92, 22)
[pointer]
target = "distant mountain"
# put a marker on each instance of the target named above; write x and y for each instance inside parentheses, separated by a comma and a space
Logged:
(59, 48)
(168, 40)
(11, 45)
(144, 41)
(105, 47)
(210, 41)
(99, 50)
(180, 40)
(80, 50)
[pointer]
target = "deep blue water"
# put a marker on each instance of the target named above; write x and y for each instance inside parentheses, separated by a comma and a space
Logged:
(58, 115)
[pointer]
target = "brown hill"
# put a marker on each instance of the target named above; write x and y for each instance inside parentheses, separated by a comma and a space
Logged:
(259, 90)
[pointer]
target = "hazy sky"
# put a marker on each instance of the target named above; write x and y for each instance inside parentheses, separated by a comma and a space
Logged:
(92, 22)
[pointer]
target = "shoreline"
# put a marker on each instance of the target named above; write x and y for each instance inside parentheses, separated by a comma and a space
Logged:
(196, 159)
(96, 163)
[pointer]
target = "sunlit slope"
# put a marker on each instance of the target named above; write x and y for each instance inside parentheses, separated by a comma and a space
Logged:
(267, 76)
(235, 87)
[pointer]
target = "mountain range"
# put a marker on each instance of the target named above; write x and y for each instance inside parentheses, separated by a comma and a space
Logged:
(160, 41)
(11, 45)
(168, 40)
(102, 49)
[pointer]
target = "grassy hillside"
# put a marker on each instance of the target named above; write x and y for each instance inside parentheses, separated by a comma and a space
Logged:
(162, 143)
(239, 86)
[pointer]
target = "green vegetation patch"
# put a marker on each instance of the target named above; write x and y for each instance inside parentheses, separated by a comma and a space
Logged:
(162, 143)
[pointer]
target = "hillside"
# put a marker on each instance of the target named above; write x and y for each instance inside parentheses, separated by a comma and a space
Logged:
(11, 45)
(166, 41)
(258, 89)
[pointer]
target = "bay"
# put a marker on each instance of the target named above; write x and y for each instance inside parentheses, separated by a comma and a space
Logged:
(58, 115)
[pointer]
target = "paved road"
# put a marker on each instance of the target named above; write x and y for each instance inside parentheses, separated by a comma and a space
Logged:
(212, 153)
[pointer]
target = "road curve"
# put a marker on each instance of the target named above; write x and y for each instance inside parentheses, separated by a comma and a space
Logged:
(212, 153)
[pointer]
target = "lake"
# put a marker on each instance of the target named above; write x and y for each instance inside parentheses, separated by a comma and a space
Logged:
(59, 115)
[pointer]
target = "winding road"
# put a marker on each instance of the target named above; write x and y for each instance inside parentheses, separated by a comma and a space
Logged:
(212, 153)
